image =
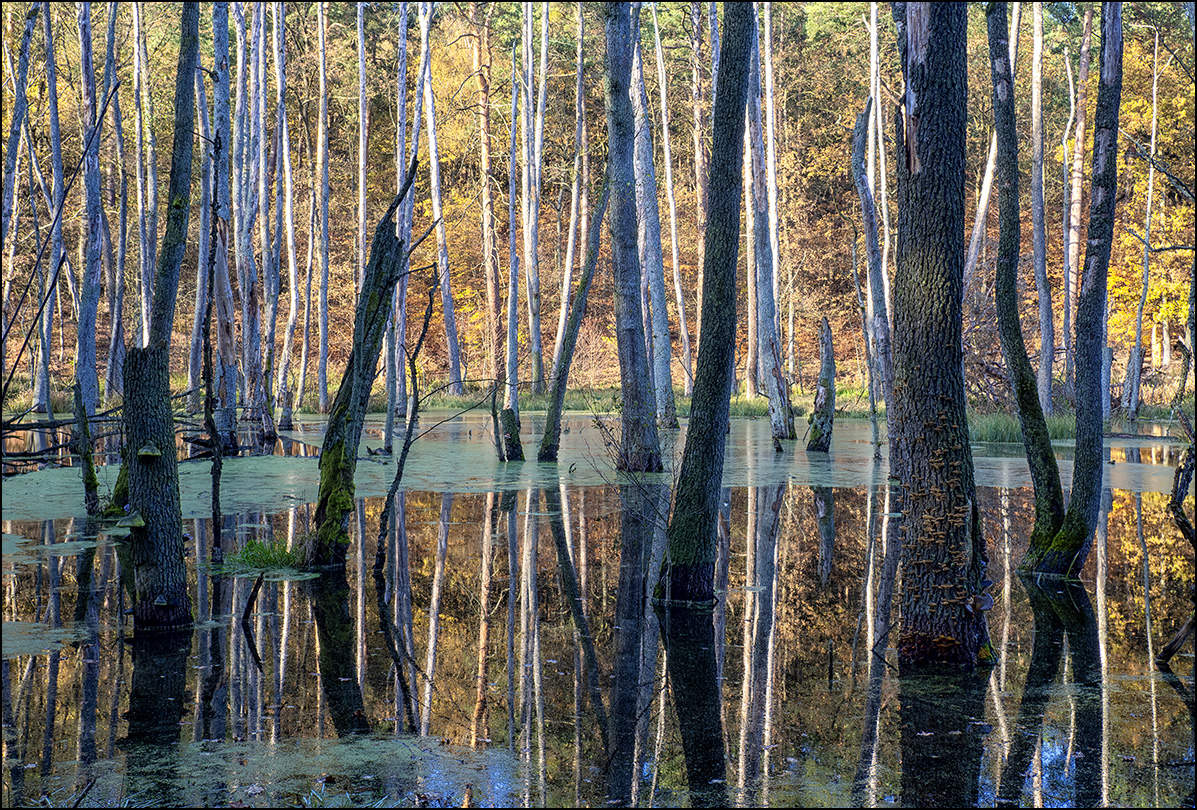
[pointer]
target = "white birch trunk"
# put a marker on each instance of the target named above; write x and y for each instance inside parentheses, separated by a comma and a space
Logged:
(361, 146)
(284, 140)
(771, 161)
(85, 335)
(41, 384)
(648, 218)
(322, 161)
(511, 396)
(434, 170)
(1072, 287)
(574, 195)
(683, 327)
(194, 376)
(1135, 363)
(781, 418)
(1038, 228)
(978, 232)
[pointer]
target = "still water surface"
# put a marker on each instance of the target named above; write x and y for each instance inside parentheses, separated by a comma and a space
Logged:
(497, 647)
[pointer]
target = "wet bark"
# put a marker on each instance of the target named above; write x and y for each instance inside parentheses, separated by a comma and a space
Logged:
(689, 574)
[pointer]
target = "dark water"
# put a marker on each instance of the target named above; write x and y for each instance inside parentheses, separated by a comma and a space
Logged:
(771, 699)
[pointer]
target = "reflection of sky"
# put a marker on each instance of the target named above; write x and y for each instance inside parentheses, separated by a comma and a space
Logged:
(458, 455)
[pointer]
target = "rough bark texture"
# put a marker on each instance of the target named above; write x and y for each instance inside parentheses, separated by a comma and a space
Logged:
(689, 573)
(89, 299)
(822, 415)
(639, 450)
(327, 545)
(1065, 554)
(161, 599)
(943, 553)
(1045, 476)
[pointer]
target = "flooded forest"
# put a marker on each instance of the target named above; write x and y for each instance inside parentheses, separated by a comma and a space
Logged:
(598, 404)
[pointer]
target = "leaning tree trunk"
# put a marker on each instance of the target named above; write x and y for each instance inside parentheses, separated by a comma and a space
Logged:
(689, 571)
(1049, 497)
(822, 416)
(1064, 555)
(640, 449)
(943, 552)
(328, 544)
(161, 600)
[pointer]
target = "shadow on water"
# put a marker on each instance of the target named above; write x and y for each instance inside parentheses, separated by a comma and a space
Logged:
(501, 647)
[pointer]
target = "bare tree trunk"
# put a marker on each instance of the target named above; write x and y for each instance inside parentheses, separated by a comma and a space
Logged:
(683, 328)
(13, 144)
(1065, 554)
(777, 388)
(688, 574)
(222, 292)
(771, 161)
(648, 220)
(1049, 498)
(640, 449)
(362, 121)
(701, 153)
(442, 245)
(822, 414)
(85, 334)
(490, 249)
(284, 140)
(978, 234)
(144, 106)
(322, 161)
(397, 326)
(575, 193)
(194, 358)
(511, 397)
(1073, 247)
(174, 241)
(1047, 337)
(752, 356)
(1135, 364)
(532, 149)
(41, 382)
(113, 373)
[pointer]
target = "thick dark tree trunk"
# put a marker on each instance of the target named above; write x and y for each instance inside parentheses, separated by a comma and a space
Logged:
(161, 599)
(688, 575)
(1064, 554)
(943, 553)
(1045, 476)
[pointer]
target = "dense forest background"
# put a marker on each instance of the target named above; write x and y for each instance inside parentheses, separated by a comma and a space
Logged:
(820, 69)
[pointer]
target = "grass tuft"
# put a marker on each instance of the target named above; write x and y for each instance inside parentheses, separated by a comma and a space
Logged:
(1001, 428)
(257, 556)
